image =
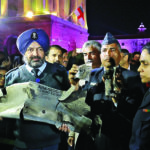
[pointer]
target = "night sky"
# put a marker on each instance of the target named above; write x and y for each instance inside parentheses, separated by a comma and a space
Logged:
(120, 17)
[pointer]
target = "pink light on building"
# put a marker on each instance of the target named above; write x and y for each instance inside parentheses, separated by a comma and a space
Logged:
(61, 32)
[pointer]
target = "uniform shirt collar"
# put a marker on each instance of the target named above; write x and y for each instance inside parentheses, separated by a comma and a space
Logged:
(41, 69)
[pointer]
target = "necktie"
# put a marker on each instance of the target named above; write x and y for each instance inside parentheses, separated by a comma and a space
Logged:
(35, 72)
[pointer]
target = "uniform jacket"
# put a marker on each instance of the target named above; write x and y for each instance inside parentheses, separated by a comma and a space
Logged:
(116, 121)
(30, 134)
(140, 139)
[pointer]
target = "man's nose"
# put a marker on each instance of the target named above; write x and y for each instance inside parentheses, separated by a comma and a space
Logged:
(108, 52)
(65, 59)
(35, 52)
(57, 57)
(89, 57)
(139, 69)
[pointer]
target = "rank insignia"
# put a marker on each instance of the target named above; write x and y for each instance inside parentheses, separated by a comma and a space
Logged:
(34, 36)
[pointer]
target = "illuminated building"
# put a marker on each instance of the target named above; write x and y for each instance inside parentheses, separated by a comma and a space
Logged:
(132, 42)
(56, 17)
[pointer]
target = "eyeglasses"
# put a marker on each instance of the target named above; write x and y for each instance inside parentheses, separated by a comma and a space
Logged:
(2, 76)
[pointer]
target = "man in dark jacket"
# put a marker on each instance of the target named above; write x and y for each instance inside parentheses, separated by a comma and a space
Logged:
(116, 111)
(140, 139)
(33, 44)
(116, 106)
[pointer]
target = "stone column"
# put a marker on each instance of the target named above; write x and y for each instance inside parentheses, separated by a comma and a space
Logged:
(12, 8)
(56, 7)
(62, 8)
(66, 8)
(4, 8)
(73, 6)
(50, 5)
(20, 7)
(38, 7)
(46, 5)
(27, 6)
(0, 8)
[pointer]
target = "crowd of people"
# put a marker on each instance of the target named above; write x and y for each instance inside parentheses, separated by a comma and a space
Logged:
(117, 94)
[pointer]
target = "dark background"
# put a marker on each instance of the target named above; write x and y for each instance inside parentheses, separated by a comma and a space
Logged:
(120, 17)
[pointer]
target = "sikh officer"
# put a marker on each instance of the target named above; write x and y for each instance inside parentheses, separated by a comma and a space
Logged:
(33, 44)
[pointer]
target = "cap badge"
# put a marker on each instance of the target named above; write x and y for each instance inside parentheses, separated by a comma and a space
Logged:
(34, 36)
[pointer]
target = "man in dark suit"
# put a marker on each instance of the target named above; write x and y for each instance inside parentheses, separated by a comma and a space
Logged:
(33, 44)
(115, 111)
(125, 60)
(91, 52)
(140, 139)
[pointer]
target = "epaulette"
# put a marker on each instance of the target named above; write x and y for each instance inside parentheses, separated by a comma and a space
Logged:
(13, 69)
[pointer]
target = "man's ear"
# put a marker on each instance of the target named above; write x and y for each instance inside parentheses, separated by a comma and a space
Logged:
(126, 57)
(46, 58)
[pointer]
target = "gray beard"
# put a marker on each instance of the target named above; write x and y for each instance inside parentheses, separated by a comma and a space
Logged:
(33, 64)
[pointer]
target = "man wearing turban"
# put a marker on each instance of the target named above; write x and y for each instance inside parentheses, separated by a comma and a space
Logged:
(33, 44)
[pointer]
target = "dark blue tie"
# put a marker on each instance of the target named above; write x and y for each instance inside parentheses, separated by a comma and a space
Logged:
(35, 72)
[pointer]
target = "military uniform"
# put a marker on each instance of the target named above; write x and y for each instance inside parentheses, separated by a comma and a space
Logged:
(116, 121)
(30, 134)
(140, 139)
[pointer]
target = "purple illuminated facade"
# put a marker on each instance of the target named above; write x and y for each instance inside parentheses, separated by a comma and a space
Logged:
(61, 32)
(133, 42)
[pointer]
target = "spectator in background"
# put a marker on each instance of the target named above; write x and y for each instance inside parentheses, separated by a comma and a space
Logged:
(136, 56)
(3, 71)
(65, 58)
(135, 60)
(11, 50)
(5, 61)
(10, 44)
(17, 60)
(7, 140)
(91, 52)
(125, 59)
(55, 54)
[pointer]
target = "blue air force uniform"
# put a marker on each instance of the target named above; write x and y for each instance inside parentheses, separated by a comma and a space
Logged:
(31, 134)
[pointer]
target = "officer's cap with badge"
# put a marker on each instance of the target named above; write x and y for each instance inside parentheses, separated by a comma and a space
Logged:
(31, 35)
(109, 39)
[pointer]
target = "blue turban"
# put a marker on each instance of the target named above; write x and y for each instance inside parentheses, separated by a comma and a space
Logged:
(109, 39)
(31, 35)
